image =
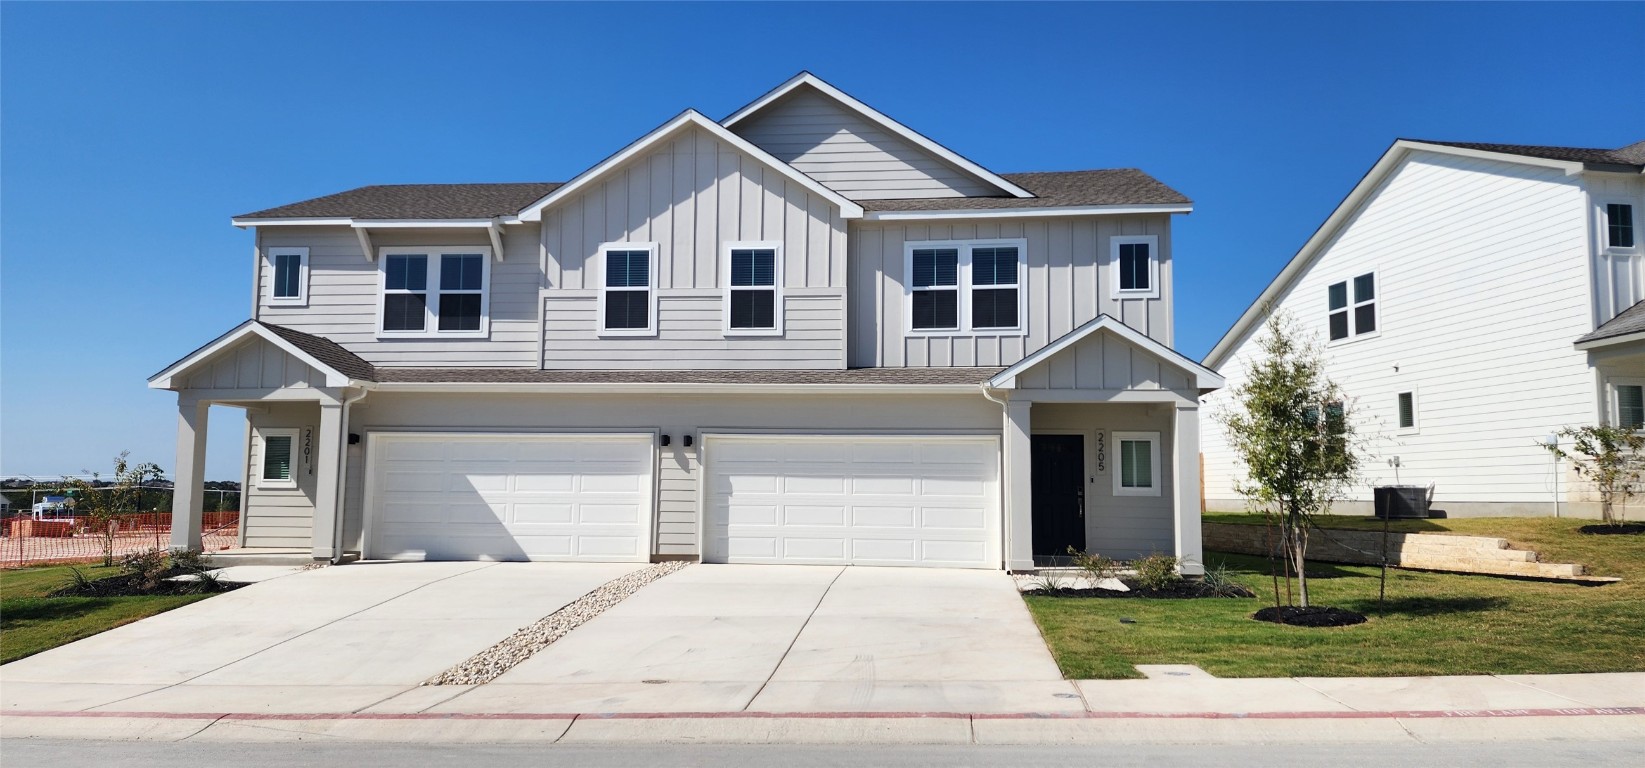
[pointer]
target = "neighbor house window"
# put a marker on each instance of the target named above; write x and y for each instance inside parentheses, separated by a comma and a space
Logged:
(1619, 225)
(965, 286)
(1630, 406)
(288, 276)
(1135, 266)
(1406, 404)
(1358, 316)
(1138, 473)
(627, 295)
(278, 459)
(752, 305)
(450, 302)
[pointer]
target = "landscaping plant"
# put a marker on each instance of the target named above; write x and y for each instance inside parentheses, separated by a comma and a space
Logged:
(1156, 572)
(103, 504)
(1607, 456)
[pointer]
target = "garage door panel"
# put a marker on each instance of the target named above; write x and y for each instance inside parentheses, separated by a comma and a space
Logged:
(797, 515)
(883, 517)
(543, 514)
(814, 549)
(973, 519)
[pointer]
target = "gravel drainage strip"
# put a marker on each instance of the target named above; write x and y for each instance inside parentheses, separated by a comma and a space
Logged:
(486, 665)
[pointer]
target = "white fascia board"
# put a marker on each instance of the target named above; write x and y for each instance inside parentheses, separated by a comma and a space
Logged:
(677, 388)
(420, 223)
(162, 380)
(1570, 167)
(1018, 213)
(1204, 378)
(1630, 338)
(690, 117)
(304, 221)
(879, 118)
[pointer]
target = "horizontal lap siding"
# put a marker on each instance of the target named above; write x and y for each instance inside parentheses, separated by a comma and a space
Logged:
(677, 501)
(691, 334)
(280, 517)
(1482, 290)
(1119, 526)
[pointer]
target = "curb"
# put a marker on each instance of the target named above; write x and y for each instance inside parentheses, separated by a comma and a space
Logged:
(504, 716)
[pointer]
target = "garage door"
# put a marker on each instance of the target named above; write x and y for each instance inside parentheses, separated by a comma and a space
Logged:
(861, 500)
(439, 496)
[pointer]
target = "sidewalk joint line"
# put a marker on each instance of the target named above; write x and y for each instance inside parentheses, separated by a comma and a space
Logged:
(796, 638)
(1541, 690)
(1351, 707)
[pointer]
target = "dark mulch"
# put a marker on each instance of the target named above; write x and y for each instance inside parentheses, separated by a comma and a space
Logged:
(1182, 590)
(1314, 616)
(131, 585)
(1612, 530)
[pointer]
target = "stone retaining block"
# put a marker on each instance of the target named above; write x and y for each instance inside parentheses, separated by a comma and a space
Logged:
(1426, 551)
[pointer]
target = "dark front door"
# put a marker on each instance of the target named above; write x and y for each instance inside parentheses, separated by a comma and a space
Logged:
(1059, 497)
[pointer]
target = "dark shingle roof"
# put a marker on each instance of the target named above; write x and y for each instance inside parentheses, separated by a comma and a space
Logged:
(326, 351)
(887, 376)
(1632, 155)
(416, 201)
(1631, 320)
(1054, 189)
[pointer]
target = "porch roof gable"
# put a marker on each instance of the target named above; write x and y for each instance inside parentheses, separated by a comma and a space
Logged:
(340, 367)
(1203, 378)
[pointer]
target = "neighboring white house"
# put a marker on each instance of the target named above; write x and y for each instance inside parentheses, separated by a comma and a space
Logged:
(1472, 299)
(801, 334)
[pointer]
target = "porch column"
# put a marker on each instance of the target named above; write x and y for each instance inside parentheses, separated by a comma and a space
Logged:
(1185, 490)
(188, 491)
(1019, 487)
(327, 481)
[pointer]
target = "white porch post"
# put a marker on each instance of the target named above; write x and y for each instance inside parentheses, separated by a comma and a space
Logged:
(1190, 549)
(188, 493)
(326, 480)
(1019, 487)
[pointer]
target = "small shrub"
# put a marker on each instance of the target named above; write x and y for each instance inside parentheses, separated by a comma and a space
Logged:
(1049, 582)
(206, 582)
(1156, 571)
(78, 583)
(191, 560)
(149, 565)
(1096, 567)
(1219, 580)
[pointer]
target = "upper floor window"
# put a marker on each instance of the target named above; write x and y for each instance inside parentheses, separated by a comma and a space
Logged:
(965, 286)
(1619, 225)
(628, 294)
(453, 303)
(1135, 269)
(1357, 317)
(752, 303)
(288, 276)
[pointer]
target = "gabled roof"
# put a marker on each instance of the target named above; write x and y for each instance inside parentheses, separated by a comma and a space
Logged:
(808, 80)
(689, 118)
(415, 201)
(1566, 158)
(339, 366)
(1632, 155)
(1628, 325)
(1053, 189)
(1204, 378)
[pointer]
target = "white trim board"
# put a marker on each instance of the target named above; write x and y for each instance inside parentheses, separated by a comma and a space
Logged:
(1204, 378)
(163, 379)
(1024, 213)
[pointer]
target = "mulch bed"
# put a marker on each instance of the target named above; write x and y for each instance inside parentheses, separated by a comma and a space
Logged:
(1313, 616)
(131, 585)
(1182, 590)
(1612, 530)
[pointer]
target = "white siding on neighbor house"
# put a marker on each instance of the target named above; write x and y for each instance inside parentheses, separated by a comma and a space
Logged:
(253, 364)
(691, 196)
(1103, 360)
(1066, 271)
(1121, 527)
(280, 517)
(343, 294)
(852, 155)
(1619, 273)
(1482, 286)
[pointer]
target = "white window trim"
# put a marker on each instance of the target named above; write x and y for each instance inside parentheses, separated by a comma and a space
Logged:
(1376, 298)
(776, 247)
(262, 458)
(1605, 226)
(431, 307)
(301, 299)
(1116, 442)
(1416, 412)
(1153, 290)
(651, 290)
(963, 286)
(1614, 404)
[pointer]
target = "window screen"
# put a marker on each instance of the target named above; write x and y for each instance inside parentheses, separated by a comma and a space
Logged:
(288, 275)
(1407, 410)
(627, 290)
(1619, 225)
(935, 288)
(994, 287)
(277, 457)
(1136, 464)
(753, 288)
(1630, 406)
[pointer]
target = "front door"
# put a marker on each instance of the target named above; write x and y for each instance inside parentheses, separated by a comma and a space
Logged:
(1059, 497)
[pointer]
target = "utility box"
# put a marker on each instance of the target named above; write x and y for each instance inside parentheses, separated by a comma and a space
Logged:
(1398, 502)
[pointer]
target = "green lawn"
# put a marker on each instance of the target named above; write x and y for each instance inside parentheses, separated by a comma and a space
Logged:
(30, 622)
(1432, 624)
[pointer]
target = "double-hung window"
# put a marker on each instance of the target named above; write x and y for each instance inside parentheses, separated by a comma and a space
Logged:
(961, 287)
(1406, 405)
(1135, 266)
(288, 276)
(278, 460)
(753, 305)
(1619, 226)
(435, 291)
(1352, 318)
(1630, 405)
(1138, 473)
(628, 304)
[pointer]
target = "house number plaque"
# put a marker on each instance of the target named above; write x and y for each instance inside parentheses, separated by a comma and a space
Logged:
(1102, 451)
(308, 449)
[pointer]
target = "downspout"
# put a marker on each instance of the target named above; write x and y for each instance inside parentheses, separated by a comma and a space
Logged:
(1005, 514)
(342, 480)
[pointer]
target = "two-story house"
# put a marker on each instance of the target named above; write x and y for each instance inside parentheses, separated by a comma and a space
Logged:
(1472, 300)
(801, 334)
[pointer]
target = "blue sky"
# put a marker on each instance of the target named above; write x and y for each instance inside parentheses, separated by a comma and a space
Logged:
(130, 133)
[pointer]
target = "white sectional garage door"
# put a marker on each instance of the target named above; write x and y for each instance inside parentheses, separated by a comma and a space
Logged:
(441, 496)
(860, 500)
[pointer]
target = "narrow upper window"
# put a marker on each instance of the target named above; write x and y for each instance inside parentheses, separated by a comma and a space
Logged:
(965, 286)
(288, 278)
(1138, 464)
(1619, 225)
(994, 275)
(1136, 266)
(1407, 405)
(1355, 318)
(279, 449)
(752, 302)
(453, 303)
(1630, 406)
(626, 298)
(936, 289)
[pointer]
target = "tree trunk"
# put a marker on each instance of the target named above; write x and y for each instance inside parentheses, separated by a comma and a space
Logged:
(1302, 575)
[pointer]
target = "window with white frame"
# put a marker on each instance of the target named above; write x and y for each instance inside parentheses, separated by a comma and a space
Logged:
(278, 459)
(1619, 225)
(435, 291)
(1630, 405)
(1358, 316)
(1138, 473)
(288, 276)
(627, 291)
(753, 304)
(965, 286)
(1135, 266)
(1405, 403)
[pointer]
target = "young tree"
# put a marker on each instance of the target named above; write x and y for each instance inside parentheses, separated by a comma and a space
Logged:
(1608, 456)
(1289, 424)
(103, 504)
